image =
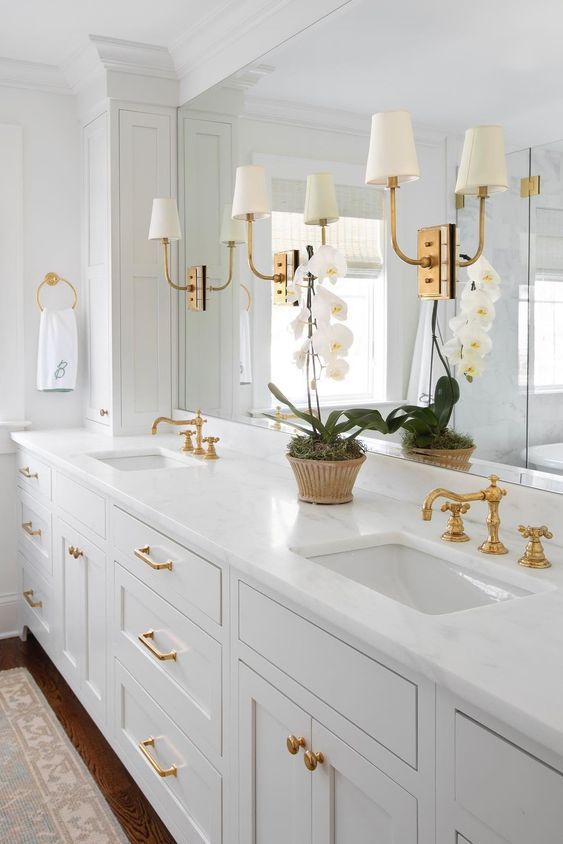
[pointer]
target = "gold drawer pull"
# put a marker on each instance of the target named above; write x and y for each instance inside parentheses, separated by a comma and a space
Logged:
(143, 554)
(172, 771)
(27, 474)
(294, 743)
(28, 595)
(312, 759)
(75, 552)
(28, 527)
(147, 640)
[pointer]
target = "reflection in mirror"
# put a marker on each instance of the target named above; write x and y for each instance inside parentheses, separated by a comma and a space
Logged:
(291, 119)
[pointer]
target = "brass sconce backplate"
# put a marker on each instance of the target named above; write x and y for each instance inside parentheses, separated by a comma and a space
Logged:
(438, 243)
(285, 264)
(196, 291)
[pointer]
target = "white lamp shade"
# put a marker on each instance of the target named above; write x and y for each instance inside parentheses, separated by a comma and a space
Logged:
(320, 200)
(232, 231)
(165, 221)
(483, 162)
(392, 151)
(251, 194)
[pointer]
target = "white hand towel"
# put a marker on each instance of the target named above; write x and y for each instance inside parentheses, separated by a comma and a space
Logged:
(245, 349)
(57, 356)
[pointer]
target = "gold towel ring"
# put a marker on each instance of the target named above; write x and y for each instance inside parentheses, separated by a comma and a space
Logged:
(249, 295)
(52, 279)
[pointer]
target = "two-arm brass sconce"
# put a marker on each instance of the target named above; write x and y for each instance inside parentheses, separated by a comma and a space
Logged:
(392, 159)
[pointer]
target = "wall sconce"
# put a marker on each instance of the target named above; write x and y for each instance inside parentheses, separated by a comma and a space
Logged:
(321, 207)
(250, 203)
(165, 226)
(392, 159)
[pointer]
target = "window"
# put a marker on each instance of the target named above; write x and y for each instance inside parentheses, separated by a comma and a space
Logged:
(359, 235)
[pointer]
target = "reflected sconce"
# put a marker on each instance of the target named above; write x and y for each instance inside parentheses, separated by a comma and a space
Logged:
(392, 160)
(321, 207)
(165, 226)
(251, 203)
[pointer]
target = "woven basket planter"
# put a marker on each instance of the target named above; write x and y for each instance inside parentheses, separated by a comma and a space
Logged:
(449, 458)
(326, 481)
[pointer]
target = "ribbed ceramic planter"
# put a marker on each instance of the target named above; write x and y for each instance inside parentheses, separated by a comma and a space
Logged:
(448, 458)
(326, 481)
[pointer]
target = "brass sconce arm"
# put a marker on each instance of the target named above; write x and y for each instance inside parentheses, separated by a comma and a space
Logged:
(165, 246)
(231, 246)
(425, 262)
(483, 195)
(276, 277)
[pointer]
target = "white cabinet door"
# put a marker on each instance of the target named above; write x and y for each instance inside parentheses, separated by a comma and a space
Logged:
(274, 785)
(81, 591)
(353, 801)
(97, 270)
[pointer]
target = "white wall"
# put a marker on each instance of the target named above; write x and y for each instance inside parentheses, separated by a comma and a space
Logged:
(51, 242)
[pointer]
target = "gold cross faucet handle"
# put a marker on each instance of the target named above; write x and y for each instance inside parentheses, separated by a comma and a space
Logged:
(188, 445)
(211, 454)
(534, 555)
(455, 531)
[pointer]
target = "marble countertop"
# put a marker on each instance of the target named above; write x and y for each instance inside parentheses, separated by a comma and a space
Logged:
(505, 658)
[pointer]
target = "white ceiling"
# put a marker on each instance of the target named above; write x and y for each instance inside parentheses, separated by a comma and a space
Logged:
(452, 63)
(49, 31)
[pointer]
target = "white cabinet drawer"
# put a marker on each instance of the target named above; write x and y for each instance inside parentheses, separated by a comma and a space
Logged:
(514, 794)
(375, 698)
(87, 506)
(184, 676)
(34, 532)
(189, 800)
(33, 475)
(186, 580)
(36, 602)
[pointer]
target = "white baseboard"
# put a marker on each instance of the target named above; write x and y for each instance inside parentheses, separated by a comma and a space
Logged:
(8, 615)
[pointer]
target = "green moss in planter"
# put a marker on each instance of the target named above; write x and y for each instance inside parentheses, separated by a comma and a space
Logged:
(447, 439)
(313, 448)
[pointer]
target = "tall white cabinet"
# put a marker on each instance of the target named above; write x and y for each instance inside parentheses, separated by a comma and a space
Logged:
(129, 157)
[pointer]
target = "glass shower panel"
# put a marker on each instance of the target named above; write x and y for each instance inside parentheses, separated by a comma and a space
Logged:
(493, 408)
(545, 401)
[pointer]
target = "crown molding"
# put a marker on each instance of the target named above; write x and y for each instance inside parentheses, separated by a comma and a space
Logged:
(33, 76)
(306, 116)
(106, 55)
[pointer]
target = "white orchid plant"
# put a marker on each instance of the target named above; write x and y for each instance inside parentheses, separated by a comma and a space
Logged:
(471, 342)
(323, 352)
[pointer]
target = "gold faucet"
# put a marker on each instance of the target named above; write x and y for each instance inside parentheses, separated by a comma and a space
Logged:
(160, 419)
(492, 495)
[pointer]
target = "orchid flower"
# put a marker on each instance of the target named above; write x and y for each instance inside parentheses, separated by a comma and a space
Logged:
(327, 262)
(475, 339)
(333, 340)
(479, 306)
(337, 368)
(300, 322)
(327, 304)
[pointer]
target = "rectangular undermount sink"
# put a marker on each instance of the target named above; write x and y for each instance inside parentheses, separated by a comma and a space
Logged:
(136, 461)
(394, 565)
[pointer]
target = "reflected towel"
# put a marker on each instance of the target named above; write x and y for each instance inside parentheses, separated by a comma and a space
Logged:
(57, 354)
(245, 350)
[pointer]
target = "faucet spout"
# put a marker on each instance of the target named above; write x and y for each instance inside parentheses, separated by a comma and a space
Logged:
(440, 492)
(169, 421)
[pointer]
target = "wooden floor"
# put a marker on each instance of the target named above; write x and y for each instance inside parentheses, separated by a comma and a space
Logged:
(135, 814)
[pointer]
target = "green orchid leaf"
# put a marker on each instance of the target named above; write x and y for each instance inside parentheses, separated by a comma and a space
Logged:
(313, 421)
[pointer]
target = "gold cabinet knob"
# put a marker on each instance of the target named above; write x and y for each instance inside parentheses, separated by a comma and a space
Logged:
(75, 552)
(313, 759)
(534, 555)
(294, 744)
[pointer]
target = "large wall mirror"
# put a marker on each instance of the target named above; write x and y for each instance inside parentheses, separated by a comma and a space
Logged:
(305, 108)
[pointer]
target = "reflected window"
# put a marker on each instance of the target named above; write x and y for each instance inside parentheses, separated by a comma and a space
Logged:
(359, 234)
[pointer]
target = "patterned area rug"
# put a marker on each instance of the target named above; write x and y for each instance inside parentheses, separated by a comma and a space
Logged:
(46, 792)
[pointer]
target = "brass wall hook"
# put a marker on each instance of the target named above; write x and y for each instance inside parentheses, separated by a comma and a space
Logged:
(534, 555)
(455, 531)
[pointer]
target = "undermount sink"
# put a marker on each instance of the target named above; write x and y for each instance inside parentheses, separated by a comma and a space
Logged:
(135, 461)
(394, 566)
